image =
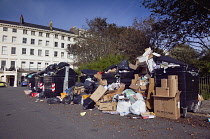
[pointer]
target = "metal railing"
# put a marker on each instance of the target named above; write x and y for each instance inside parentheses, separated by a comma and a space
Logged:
(204, 86)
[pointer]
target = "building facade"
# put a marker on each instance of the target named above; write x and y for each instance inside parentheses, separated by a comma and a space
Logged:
(26, 47)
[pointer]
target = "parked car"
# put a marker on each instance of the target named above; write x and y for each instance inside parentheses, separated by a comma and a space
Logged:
(3, 84)
(24, 83)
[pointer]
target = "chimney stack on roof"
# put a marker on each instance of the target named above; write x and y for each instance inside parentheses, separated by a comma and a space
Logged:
(50, 25)
(21, 19)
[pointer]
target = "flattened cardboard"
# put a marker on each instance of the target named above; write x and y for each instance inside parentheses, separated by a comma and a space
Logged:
(168, 107)
(103, 82)
(108, 106)
(150, 101)
(162, 91)
(99, 92)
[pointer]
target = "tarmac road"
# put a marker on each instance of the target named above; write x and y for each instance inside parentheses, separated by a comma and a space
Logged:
(24, 117)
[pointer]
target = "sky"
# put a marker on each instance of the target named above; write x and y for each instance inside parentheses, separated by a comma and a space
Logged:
(66, 14)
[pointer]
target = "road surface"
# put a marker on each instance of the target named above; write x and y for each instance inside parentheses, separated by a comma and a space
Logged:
(24, 117)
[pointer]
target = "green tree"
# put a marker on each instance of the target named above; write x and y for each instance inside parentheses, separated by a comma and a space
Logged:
(102, 39)
(185, 53)
(204, 63)
(102, 63)
(185, 21)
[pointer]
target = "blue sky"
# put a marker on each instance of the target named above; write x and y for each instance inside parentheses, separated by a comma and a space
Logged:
(68, 13)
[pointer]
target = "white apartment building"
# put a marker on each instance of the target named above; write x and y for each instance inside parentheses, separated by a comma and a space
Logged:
(26, 47)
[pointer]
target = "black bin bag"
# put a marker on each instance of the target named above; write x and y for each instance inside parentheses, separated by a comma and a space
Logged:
(88, 103)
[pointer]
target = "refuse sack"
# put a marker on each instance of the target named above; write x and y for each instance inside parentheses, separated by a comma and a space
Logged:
(123, 65)
(41, 95)
(123, 107)
(138, 107)
(62, 64)
(53, 100)
(66, 100)
(77, 99)
(88, 103)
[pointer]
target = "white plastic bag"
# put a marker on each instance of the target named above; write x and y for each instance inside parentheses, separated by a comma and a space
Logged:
(123, 107)
(138, 107)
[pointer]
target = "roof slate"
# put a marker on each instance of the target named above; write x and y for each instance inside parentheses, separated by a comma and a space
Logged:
(34, 26)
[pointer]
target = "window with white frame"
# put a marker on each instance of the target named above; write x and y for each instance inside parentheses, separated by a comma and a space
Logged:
(13, 50)
(31, 51)
(56, 44)
(31, 65)
(12, 64)
(68, 55)
(39, 52)
(14, 30)
(40, 42)
(62, 45)
(14, 39)
(4, 38)
(47, 43)
(62, 37)
(3, 64)
(62, 54)
(56, 36)
(55, 53)
(46, 52)
(5, 29)
(40, 33)
(47, 35)
(24, 31)
(39, 65)
(24, 40)
(46, 64)
(69, 38)
(32, 41)
(4, 50)
(23, 51)
(23, 64)
(33, 33)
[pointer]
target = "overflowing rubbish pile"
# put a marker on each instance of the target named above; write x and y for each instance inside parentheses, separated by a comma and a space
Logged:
(155, 86)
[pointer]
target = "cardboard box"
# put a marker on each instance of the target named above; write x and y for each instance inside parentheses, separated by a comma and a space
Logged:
(162, 91)
(173, 77)
(138, 88)
(106, 98)
(168, 107)
(108, 106)
(133, 81)
(99, 92)
(173, 85)
(164, 83)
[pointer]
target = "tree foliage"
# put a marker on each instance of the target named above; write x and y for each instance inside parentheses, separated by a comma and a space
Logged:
(102, 39)
(186, 21)
(204, 63)
(185, 53)
(102, 63)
